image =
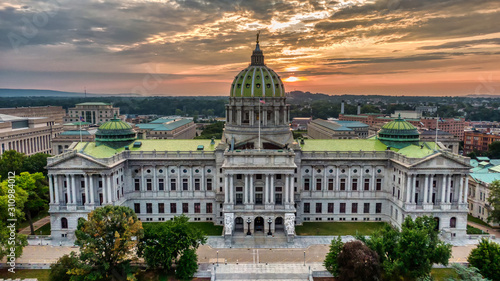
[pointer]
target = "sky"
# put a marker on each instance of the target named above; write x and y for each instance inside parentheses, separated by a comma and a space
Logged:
(196, 47)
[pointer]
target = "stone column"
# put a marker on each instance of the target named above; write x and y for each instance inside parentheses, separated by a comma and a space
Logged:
(431, 188)
(104, 193)
(466, 191)
(143, 184)
(110, 188)
(374, 183)
(460, 189)
(252, 191)
(448, 190)
(56, 189)
(92, 192)
(86, 190)
(167, 184)
(155, 184)
(179, 183)
(245, 196)
(191, 179)
(203, 183)
(443, 189)
(426, 189)
(337, 184)
(226, 189)
(51, 190)
(292, 190)
(231, 189)
(349, 186)
(408, 188)
(230, 115)
(271, 190)
(73, 189)
(239, 116)
(287, 186)
(325, 182)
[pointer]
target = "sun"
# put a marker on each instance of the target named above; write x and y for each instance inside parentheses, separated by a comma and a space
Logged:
(294, 79)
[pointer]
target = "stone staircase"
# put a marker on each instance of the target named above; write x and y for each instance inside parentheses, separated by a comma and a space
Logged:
(261, 272)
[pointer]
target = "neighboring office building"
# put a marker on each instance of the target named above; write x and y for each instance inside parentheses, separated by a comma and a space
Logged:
(325, 129)
(73, 132)
(448, 140)
(422, 109)
(406, 114)
(300, 123)
(92, 112)
(476, 140)
(55, 113)
(167, 128)
(482, 175)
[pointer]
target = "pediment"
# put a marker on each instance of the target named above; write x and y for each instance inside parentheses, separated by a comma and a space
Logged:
(441, 161)
(77, 160)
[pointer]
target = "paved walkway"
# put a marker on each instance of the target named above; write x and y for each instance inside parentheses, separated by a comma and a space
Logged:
(36, 225)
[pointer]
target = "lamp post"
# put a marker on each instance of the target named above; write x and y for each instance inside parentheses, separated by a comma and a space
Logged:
(304, 258)
(269, 221)
(249, 221)
(218, 258)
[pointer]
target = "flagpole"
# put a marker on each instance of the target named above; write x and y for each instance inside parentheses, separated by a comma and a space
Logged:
(437, 125)
(80, 129)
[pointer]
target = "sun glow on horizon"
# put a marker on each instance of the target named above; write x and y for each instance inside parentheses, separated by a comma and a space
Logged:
(295, 79)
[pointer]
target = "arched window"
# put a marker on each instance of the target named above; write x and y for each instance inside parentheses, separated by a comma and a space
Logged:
(453, 222)
(64, 223)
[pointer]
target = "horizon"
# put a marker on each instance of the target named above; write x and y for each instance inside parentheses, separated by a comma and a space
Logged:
(195, 48)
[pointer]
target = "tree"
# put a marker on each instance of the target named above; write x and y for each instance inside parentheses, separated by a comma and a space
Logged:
(60, 271)
(187, 265)
(486, 258)
(36, 163)
(11, 161)
(164, 242)
(38, 193)
(331, 262)
(494, 200)
(357, 262)
(107, 242)
(494, 150)
(465, 273)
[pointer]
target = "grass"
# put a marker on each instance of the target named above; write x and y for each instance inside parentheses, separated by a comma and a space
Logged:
(45, 229)
(207, 227)
(476, 220)
(338, 228)
(26, 223)
(441, 274)
(41, 274)
(474, 230)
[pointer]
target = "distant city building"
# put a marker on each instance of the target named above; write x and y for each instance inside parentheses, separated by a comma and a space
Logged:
(478, 141)
(93, 112)
(406, 114)
(300, 123)
(73, 132)
(448, 140)
(167, 128)
(325, 129)
(485, 171)
(422, 109)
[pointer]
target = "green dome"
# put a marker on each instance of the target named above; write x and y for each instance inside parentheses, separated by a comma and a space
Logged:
(115, 124)
(399, 133)
(257, 81)
(114, 133)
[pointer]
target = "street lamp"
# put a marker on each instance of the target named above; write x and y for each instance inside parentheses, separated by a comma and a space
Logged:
(269, 221)
(218, 258)
(249, 221)
(304, 258)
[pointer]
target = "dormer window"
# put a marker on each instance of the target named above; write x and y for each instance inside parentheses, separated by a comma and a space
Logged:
(258, 77)
(239, 85)
(247, 85)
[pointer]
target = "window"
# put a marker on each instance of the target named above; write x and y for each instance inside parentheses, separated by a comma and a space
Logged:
(64, 223)
(367, 184)
(366, 208)
(278, 199)
(378, 208)
(137, 184)
(184, 184)
(161, 184)
(209, 208)
(239, 198)
(172, 184)
(379, 184)
(209, 184)
(196, 184)
(354, 184)
(161, 208)
(185, 208)
(149, 208)
(318, 184)
(330, 184)
(306, 184)
(137, 208)
(342, 184)
(258, 176)
(319, 208)
(239, 176)
(173, 208)
(197, 208)
(278, 176)
(354, 208)
(330, 208)
(307, 208)
(453, 222)
(342, 208)
(149, 184)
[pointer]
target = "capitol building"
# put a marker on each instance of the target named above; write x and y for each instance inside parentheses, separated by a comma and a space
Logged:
(258, 178)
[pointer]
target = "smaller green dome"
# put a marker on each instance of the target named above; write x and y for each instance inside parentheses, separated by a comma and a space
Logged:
(115, 124)
(399, 133)
(115, 133)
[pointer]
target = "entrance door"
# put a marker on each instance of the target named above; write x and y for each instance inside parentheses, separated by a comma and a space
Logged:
(278, 224)
(238, 227)
(259, 224)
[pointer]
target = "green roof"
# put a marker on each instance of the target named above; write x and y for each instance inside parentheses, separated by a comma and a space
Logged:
(495, 169)
(77, 123)
(399, 124)
(75, 132)
(164, 127)
(485, 177)
(482, 158)
(257, 81)
(115, 124)
(104, 151)
(161, 120)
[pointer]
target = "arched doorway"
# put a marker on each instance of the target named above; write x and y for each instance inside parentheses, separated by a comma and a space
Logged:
(259, 224)
(238, 224)
(278, 224)
(436, 219)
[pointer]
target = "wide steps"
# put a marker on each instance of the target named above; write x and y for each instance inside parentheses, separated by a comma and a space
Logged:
(262, 272)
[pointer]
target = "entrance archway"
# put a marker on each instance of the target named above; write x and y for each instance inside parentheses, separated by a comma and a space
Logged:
(238, 224)
(259, 224)
(436, 219)
(278, 224)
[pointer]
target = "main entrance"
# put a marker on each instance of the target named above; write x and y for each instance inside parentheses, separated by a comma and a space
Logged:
(259, 224)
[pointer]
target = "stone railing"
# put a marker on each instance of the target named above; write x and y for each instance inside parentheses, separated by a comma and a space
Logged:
(61, 156)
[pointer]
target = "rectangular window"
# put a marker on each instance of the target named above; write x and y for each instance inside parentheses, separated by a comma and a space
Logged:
(149, 208)
(330, 184)
(366, 208)
(307, 208)
(82, 184)
(354, 184)
(367, 184)
(185, 208)
(278, 199)
(184, 184)
(379, 184)
(137, 208)
(173, 185)
(378, 208)
(306, 184)
(342, 184)
(342, 208)
(161, 208)
(209, 208)
(196, 184)
(197, 208)
(319, 208)
(137, 184)
(354, 207)
(239, 198)
(278, 176)
(173, 208)
(149, 184)
(258, 198)
(330, 208)
(318, 184)
(161, 184)
(209, 184)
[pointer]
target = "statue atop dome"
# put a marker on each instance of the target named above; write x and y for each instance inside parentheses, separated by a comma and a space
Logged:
(258, 33)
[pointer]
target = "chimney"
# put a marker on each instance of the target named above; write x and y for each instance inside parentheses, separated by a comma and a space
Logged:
(359, 108)
(342, 107)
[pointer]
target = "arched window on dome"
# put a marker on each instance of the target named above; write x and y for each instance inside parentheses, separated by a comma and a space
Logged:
(257, 85)
(268, 86)
(247, 86)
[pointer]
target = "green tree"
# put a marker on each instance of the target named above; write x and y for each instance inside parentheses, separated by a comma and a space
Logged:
(486, 258)
(357, 262)
(494, 150)
(60, 271)
(331, 262)
(11, 161)
(164, 242)
(464, 273)
(107, 242)
(38, 192)
(494, 200)
(187, 265)
(36, 163)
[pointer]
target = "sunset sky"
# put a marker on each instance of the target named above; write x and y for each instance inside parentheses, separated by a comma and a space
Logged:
(196, 47)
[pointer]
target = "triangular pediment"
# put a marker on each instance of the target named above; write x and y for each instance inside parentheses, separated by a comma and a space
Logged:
(442, 161)
(77, 160)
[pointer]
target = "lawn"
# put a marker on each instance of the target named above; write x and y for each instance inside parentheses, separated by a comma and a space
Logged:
(476, 220)
(338, 228)
(441, 274)
(41, 274)
(207, 227)
(45, 229)
(474, 230)
(40, 215)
